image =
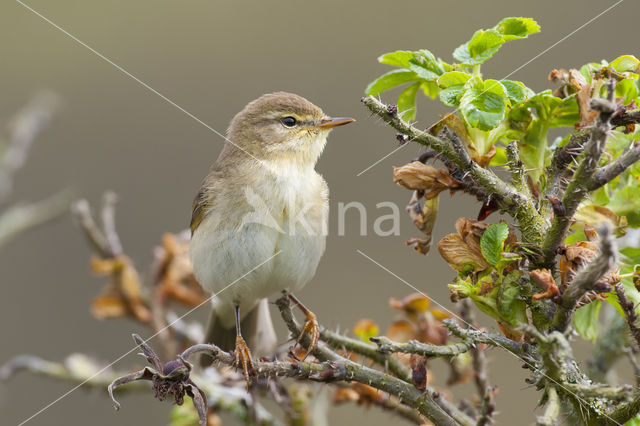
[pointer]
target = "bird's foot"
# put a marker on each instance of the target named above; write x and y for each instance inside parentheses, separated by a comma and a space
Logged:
(312, 328)
(243, 359)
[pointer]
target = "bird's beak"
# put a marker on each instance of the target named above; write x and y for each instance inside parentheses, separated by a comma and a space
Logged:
(330, 122)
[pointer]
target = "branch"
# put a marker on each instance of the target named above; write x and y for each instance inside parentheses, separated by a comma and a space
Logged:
(338, 341)
(486, 392)
(586, 279)
(578, 188)
(452, 149)
(552, 412)
(385, 345)
(625, 412)
(560, 169)
(523, 350)
(77, 368)
(19, 218)
(606, 174)
(407, 393)
(26, 126)
(629, 311)
(600, 390)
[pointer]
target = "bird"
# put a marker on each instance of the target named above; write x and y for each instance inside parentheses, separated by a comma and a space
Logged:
(259, 221)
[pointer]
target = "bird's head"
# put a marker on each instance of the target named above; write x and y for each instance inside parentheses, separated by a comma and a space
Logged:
(283, 127)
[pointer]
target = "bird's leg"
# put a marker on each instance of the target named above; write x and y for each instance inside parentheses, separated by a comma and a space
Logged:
(310, 326)
(242, 353)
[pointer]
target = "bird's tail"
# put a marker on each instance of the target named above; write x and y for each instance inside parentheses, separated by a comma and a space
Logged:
(257, 330)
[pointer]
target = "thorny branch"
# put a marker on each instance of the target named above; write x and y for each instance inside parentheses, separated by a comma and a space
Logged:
(578, 187)
(587, 279)
(630, 312)
(453, 150)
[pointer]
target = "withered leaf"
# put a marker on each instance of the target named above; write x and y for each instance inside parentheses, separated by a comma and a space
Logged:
(122, 294)
(544, 280)
(424, 218)
(423, 177)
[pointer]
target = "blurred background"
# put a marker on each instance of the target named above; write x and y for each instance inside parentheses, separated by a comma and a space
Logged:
(211, 58)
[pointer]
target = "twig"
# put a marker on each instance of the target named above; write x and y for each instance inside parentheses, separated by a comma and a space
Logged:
(560, 170)
(405, 392)
(26, 126)
(522, 349)
(586, 279)
(624, 412)
(600, 390)
(518, 174)
(523, 208)
(77, 368)
(19, 218)
(606, 174)
(629, 311)
(95, 236)
(108, 214)
(552, 411)
(386, 345)
(338, 341)
(486, 392)
(578, 188)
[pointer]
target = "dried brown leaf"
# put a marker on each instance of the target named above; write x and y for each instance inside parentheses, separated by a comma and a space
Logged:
(544, 280)
(419, 176)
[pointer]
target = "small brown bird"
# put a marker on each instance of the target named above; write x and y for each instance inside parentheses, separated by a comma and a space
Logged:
(259, 221)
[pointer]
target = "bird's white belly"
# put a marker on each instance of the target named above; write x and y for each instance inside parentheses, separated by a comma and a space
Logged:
(261, 257)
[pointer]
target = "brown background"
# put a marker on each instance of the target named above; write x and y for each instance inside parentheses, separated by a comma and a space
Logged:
(211, 58)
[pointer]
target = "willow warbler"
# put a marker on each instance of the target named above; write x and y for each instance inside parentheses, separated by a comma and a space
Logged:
(261, 201)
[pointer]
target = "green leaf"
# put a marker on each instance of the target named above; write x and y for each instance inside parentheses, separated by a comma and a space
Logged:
(631, 255)
(483, 105)
(453, 78)
(626, 202)
(626, 63)
(517, 28)
(451, 95)
(628, 89)
(426, 66)
(511, 305)
(399, 58)
(482, 46)
(407, 102)
(390, 80)
(492, 242)
(516, 90)
(586, 320)
(430, 89)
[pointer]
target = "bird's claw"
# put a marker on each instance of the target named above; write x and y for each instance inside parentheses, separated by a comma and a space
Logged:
(313, 329)
(243, 359)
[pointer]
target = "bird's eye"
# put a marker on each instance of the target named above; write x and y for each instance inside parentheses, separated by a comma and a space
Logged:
(289, 121)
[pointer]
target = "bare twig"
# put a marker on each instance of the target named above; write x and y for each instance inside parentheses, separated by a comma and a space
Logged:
(629, 311)
(552, 411)
(386, 345)
(522, 349)
(486, 392)
(19, 218)
(606, 174)
(26, 126)
(586, 279)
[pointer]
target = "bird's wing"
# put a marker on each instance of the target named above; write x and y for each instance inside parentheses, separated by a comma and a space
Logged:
(199, 209)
